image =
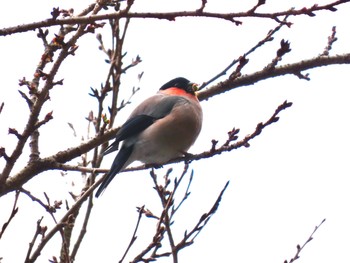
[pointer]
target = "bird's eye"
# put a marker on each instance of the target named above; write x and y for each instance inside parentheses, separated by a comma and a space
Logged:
(195, 87)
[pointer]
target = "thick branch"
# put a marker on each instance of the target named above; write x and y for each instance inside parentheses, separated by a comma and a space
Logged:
(171, 16)
(267, 73)
(52, 162)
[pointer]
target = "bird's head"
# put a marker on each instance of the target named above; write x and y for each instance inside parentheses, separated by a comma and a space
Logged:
(181, 83)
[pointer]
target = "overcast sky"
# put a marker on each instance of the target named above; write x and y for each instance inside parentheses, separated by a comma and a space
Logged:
(295, 174)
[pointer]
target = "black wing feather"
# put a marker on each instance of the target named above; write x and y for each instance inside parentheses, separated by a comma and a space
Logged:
(130, 128)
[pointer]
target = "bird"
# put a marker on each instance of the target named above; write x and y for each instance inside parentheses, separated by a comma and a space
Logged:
(161, 128)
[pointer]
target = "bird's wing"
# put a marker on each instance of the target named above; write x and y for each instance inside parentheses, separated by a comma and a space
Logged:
(131, 127)
(157, 106)
(152, 109)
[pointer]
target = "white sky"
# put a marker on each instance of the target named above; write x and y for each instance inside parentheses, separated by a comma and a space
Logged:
(295, 174)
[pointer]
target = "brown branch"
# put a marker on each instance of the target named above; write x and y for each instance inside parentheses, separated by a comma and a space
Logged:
(165, 220)
(166, 217)
(287, 69)
(83, 229)
(41, 96)
(189, 237)
(267, 38)
(171, 16)
(55, 161)
(134, 237)
(62, 222)
(48, 207)
(116, 71)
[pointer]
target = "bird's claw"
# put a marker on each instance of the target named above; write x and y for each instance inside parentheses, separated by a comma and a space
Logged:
(154, 165)
(188, 157)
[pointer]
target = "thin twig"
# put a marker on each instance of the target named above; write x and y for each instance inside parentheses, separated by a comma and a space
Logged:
(266, 39)
(189, 237)
(134, 237)
(12, 214)
(300, 248)
(82, 230)
(38, 231)
(63, 221)
(184, 198)
(331, 39)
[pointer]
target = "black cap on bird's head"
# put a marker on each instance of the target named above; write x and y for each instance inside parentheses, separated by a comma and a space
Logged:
(181, 83)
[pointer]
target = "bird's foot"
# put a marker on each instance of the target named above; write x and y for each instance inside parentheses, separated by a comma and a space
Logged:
(188, 157)
(154, 165)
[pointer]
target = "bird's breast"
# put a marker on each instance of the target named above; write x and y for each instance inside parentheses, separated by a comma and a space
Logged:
(171, 136)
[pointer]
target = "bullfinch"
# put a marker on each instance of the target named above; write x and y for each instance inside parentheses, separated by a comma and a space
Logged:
(161, 128)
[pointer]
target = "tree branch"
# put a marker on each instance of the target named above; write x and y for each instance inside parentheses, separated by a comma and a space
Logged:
(12, 215)
(267, 73)
(300, 248)
(63, 221)
(171, 16)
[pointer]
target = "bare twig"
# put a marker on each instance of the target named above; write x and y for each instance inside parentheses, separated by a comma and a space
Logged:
(187, 193)
(189, 237)
(331, 39)
(62, 222)
(134, 237)
(267, 38)
(204, 2)
(164, 220)
(260, 2)
(300, 248)
(83, 229)
(12, 215)
(284, 49)
(40, 230)
(48, 207)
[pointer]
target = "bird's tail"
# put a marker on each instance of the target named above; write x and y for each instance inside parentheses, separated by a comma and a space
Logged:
(118, 163)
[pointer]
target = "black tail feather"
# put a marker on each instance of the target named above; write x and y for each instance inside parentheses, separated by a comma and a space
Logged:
(118, 163)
